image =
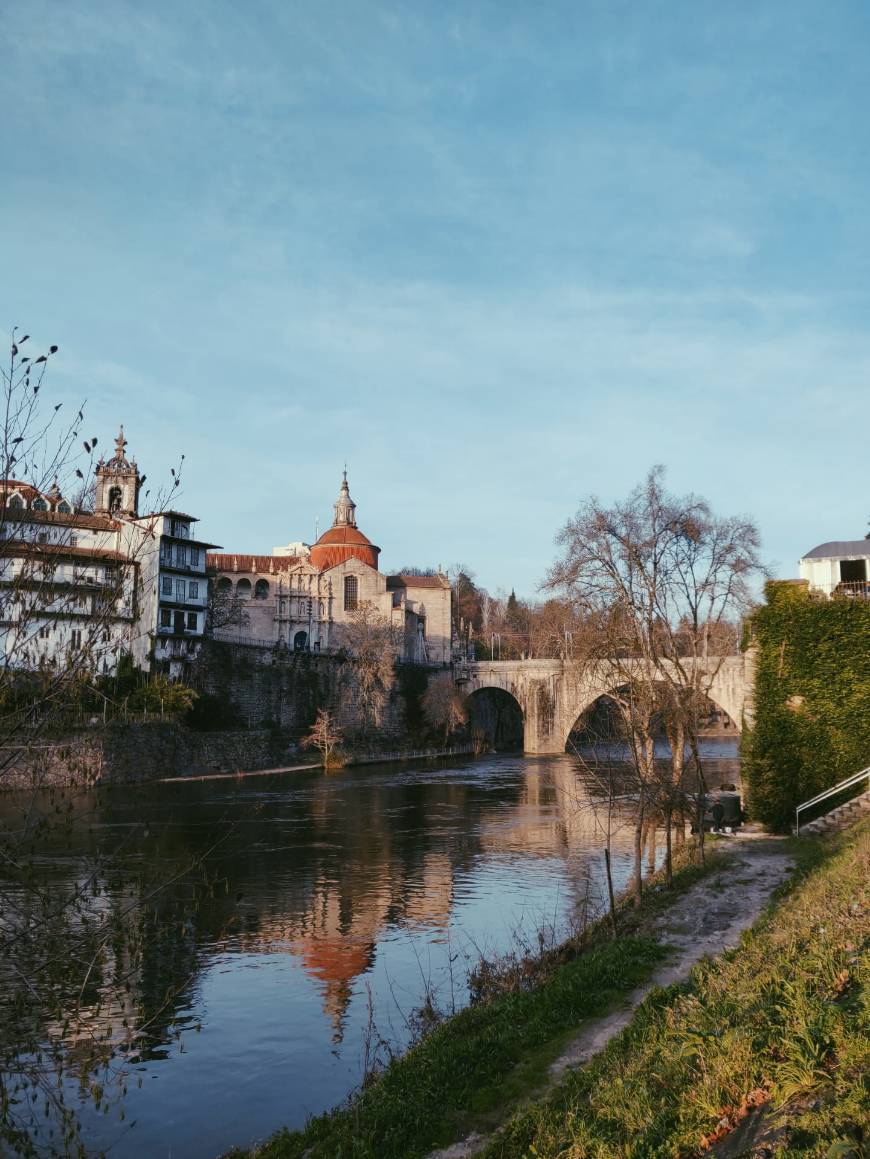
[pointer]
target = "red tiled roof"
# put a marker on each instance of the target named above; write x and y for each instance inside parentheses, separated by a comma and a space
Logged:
(255, 564)
(417, 581)
(342, 543)
(15, 547)
(76, 519)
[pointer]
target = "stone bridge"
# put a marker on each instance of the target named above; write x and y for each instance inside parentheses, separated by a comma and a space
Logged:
(552, 694)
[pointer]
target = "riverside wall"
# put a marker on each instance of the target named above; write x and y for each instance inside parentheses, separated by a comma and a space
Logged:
(261, 702)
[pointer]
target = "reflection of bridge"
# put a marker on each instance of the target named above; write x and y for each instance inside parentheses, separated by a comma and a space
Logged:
(552, 694)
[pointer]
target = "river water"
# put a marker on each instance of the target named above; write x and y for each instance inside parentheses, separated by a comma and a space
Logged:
(338, 904)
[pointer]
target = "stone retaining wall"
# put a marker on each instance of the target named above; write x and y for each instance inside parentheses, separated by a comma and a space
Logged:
(123, 754)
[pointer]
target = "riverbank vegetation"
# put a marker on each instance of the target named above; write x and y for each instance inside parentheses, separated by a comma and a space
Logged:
(468, 1071)
(770, 1039)
(812, 698)
(767, 1037)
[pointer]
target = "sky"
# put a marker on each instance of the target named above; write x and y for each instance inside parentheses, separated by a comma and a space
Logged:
(496, 257)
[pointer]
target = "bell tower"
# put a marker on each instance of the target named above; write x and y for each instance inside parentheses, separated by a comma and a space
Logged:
(118, 482)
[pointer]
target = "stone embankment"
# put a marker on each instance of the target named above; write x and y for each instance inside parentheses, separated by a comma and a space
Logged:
(121, 754)
(126, 753)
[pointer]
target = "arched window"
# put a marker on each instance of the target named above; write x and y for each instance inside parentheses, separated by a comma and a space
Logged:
(224, 584)
(16, 502)
(40, 505)
(243, 589)
(64, 507)
(351, 593)
(261, 590)
(300, 641)
(114, 498)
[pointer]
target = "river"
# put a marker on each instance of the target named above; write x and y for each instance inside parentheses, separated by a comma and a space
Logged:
(335, 905)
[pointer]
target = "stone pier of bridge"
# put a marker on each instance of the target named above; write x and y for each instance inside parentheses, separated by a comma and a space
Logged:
(553, 694)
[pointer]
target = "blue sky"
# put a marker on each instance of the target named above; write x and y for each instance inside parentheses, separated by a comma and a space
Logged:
(496, 256)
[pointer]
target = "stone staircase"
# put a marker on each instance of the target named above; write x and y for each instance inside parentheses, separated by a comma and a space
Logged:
(840, 817)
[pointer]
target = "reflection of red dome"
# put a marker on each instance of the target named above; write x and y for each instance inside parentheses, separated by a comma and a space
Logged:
(341, 543)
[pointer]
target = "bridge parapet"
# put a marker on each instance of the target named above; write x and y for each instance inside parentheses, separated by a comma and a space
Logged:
(553, 694)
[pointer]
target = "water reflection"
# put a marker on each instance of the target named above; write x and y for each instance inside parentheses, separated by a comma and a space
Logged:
(324, 900)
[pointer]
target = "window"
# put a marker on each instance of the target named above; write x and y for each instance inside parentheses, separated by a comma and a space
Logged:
(224, 584)
(42, 537)
(44, 632)
(261, 590)
(73, 541)
(191, 621)
(114, 498)
(179, 530)
(75, 638)
(165, 618)
(64, 508)
(192, 590)
(243, 589)
(194, 557)
(16, 502)
(166, 585)
(181, 556)
(351, 593)
(181, 590)
(40, 505)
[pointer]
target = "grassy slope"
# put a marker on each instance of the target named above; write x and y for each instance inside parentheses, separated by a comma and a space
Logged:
(474, 1068)
(784, 1015)
(483, 1057)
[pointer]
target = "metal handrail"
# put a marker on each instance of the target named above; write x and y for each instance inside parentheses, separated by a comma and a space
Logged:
(832, 792)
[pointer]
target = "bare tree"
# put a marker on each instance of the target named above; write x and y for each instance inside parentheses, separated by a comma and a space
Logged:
(443, 707)
(660, 576)
(325, 736)
(372, 643)
(56, 939)
(225, 608)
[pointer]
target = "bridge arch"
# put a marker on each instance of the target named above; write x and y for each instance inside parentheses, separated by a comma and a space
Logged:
(717, 712)
(494, 713)
(553, 694)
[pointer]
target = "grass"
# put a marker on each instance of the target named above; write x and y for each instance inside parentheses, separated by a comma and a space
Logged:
(775, 1023)
(471, 1070)
(485, 1056)
(774, 1032)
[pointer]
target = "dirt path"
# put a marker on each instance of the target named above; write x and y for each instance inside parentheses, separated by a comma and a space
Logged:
(704, 921)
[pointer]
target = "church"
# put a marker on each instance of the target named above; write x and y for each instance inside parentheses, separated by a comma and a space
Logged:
(303, 596)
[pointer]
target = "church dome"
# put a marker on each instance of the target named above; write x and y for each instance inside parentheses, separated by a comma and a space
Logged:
(344, 540)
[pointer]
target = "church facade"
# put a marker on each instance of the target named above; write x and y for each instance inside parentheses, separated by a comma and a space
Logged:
(303, 596)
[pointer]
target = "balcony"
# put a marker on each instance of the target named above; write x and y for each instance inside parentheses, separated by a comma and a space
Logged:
(845, 590)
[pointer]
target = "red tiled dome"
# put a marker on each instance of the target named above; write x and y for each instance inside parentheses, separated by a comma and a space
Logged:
(341, 543)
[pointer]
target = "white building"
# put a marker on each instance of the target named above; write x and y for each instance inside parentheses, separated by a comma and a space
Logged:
(99, 584)
(302, 596)
(841, 567)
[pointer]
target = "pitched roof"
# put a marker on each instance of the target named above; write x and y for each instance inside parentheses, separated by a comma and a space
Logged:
(74, 519)
(255, 564)
(18, 547)
(839, 549)
(417, 581)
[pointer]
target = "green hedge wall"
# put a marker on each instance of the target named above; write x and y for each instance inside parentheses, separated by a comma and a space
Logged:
(812, 699)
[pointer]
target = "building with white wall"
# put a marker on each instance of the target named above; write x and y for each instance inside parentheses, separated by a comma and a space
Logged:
(841, 567)
(304, 596)
(99, 583)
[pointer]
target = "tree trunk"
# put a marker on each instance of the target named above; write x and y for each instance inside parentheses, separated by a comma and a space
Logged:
(638, 852)
(610, 892)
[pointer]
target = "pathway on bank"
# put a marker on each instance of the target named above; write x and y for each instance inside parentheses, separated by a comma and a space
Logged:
(704, 921)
